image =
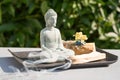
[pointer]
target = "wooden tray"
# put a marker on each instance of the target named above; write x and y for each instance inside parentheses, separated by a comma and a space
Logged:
(110, 58)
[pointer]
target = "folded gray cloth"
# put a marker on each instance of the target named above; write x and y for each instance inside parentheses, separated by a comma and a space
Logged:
(35, 61)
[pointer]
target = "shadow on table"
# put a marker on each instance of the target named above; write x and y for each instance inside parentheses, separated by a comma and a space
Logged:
(8, 63)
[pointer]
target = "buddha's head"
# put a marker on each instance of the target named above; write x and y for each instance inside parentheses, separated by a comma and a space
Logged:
(50, 18)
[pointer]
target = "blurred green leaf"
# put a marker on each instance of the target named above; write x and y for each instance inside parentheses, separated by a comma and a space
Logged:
(0, 14)
(21, 39)
(12, 41)
(11, 10)
(64, 6)
(2, 40)
(69, 33)
(34, 23)
(44, 7)
(7, 27)
(31, 8)
(6, 1)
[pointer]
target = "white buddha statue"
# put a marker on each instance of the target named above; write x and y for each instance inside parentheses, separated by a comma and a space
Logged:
(51, 42)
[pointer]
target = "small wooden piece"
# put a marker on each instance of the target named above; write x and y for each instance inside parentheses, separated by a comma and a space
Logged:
(84, 49)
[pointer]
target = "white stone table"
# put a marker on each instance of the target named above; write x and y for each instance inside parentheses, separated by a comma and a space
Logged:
(112, 72)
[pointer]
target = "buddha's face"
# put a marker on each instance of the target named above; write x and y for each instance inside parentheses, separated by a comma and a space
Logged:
(51, 22)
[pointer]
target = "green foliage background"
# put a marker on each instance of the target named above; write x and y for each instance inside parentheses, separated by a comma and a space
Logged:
(22, 20)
